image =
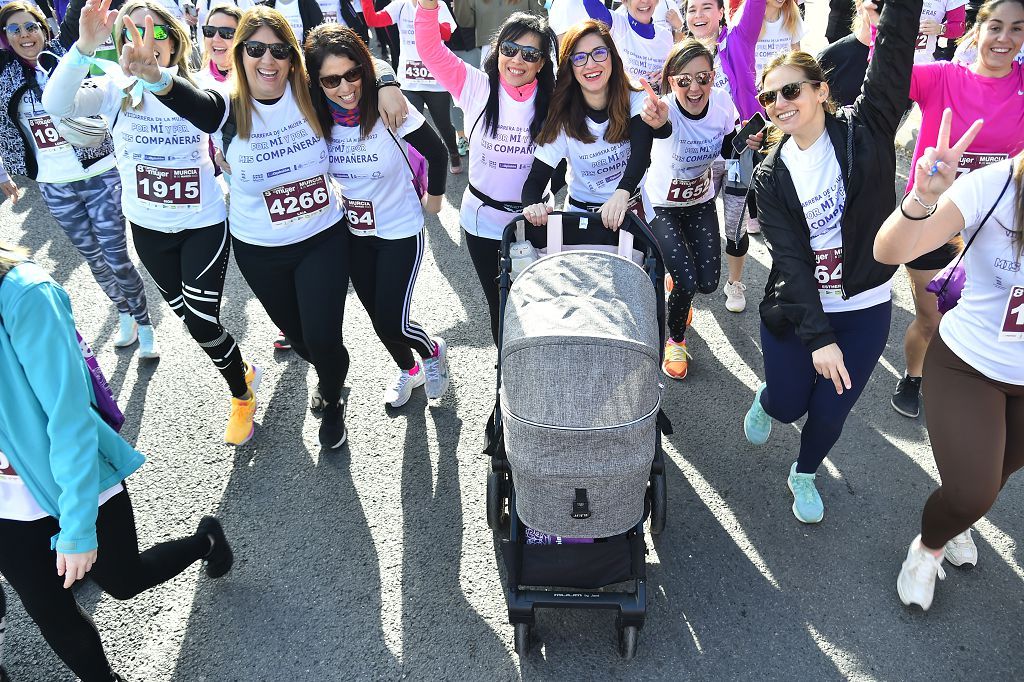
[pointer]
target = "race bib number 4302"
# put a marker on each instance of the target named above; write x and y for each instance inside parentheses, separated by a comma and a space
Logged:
(1013, 319)
(168, 188)
(828, 270)
(416, 70)
(299, 200)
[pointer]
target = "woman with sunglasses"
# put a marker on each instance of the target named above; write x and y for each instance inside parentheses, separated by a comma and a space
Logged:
(827, 304)
(170, 197)
(65, 512)
(703, 120)
(594, 122)
(641, 42)
(418, 83)
(287, 224)
(218, 33)
(381, 202)
(79, 184)
(505, 102)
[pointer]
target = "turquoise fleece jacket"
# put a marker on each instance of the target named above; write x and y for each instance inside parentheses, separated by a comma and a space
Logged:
(59, 445)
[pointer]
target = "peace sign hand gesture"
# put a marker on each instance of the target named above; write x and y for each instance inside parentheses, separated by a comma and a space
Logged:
(138, 54)
(94, 25)
(936, 169)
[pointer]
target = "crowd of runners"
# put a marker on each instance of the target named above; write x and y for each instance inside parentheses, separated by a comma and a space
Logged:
(271, 131)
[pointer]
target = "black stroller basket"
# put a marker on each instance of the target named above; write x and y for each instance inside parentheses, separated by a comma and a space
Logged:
(572, 575)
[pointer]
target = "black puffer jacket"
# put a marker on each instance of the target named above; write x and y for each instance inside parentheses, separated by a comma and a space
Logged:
(863, 137)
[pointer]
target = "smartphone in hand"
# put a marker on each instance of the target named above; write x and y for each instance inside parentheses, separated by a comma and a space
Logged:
(755, 125)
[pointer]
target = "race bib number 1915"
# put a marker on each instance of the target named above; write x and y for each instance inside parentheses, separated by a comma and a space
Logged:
(45, 134)
(299, 200)
(1013, 319)
(168, 188)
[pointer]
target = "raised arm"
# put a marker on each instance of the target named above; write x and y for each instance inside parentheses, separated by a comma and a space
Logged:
(68, 93)
(205, 109)
(597, 10)
(748, 27)
(886, 89)
(447, 68)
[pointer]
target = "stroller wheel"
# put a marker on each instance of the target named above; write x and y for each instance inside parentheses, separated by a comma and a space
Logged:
(522, 640)
(659, 503)
(628, 637)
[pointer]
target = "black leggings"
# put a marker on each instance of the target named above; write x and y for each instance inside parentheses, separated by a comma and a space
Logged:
(484, 253)
(384, 275)
(440, 106)
(302, 287)
(29, 565)
(189, 268)
(976, 426)
(693, 256)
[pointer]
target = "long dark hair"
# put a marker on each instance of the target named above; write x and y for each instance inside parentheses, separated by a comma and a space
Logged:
(515, 27)
(568, 108)
(341, 41)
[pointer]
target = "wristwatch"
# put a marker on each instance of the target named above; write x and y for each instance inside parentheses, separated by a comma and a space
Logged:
(387, 80)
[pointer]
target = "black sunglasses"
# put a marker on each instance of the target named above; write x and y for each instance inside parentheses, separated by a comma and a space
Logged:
(683, 80)
(598, 54)
(334, 80)
(29, 26)
(789, 92)
(279, 51)
(530, 54)
(226, 32)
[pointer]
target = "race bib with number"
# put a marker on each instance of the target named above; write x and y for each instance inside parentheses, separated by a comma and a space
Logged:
(359, 214)
(294, 201)
(330, 17)
(921, 43)
(972, 161)
(637, 208)
(169, 188)
(691, 191)
(45, 134)
(1013, 319)
(416, 70)
(828, 270)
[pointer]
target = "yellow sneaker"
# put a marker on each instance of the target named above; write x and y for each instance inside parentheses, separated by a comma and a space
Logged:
(240, 427)
(676, 359)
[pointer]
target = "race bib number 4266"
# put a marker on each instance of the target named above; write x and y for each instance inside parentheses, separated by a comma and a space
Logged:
(299, 200)
(168, 188)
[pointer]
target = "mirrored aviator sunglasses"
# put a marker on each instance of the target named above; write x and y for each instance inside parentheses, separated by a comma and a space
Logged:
(28, 27)
(789, 92)
(334, 80)
(226, 32)
(530, 54)
(279, 51)
(160, 32)
(684, 80)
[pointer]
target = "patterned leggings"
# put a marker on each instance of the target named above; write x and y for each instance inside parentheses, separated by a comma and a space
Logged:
(89, 212)
(693, 256)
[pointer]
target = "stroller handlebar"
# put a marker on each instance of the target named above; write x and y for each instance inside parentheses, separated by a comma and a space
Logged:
(631, 223)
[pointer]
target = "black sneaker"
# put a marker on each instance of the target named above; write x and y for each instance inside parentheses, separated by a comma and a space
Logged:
(332, 428)
(907, 398)
(220, 558)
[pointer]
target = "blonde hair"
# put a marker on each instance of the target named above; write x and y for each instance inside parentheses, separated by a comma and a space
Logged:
(178, 34)
(228, 11)
(790, 19)
(241, 96)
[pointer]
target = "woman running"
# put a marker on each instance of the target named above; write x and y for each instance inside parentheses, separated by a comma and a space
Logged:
(171, 199)
(679, 182)
(642, 44)
(733, 48)
(505, 100)
(594, 122)
(990, 89)
(79, 184)
(825, 314)
(975, 364)
(419, 84)
(287, 225)
(382, 206)
(64, 509)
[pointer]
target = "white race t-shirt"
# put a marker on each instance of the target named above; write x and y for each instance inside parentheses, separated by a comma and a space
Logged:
(562, 14)
(819, 185)
(281, 188)
(411, 72)
(290, 10)
(498, 164)
(641, 57)
(680, 172)
(775, 41)
(332, 11)
(594, 168)
(660, 13)
(18, 504)
(924, 47)
(376, 181)
(55, 157)
(986, 328)
(721, 78)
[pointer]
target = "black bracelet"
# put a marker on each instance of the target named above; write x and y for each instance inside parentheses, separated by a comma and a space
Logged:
(910, 217)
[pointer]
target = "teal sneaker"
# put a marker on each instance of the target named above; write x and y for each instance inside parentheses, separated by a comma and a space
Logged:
(807, 505)
(757, 425)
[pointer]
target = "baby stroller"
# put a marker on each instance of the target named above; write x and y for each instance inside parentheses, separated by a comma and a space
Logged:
(576, 453)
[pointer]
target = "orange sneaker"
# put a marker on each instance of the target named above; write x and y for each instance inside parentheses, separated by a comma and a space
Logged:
(240, 427)
(668, 284)
(689, 316)
(676, 361)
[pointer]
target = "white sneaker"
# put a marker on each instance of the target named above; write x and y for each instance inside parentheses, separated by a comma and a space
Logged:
(398, 394)
(128, 330)
(962, 550)
(916, 582)
(436, 369)
(753, 226)
(735, 299)
(147, 343)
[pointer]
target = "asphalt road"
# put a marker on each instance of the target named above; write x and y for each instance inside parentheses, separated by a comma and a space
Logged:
(376, 561)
